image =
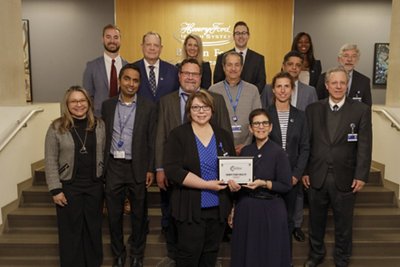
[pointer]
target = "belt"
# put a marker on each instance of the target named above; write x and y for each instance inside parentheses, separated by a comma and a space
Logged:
(261, 195)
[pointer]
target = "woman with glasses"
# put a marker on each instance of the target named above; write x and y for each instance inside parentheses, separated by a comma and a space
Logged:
(74, 151)
(193, 48)
(200, 203)
(260, 235)
(291, 133)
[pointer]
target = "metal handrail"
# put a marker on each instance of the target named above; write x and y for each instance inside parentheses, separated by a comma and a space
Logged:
(19, 127)
(394, 122)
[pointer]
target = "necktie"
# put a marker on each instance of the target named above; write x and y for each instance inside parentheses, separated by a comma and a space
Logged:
(113, 80)
(335, 108)
(185, 97)
(152, 80)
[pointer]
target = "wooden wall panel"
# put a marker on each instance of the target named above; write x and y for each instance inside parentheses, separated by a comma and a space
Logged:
(270, 23)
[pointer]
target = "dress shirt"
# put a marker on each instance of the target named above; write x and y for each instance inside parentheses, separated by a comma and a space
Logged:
(108, 62)
(350, 81)
(339, 104)
(295, 92)
(242, 52)
(156, 69)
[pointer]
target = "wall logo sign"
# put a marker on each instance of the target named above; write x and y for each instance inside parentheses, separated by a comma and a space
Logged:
(216, 34)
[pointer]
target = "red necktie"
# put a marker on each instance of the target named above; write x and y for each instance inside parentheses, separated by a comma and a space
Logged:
(113, 80)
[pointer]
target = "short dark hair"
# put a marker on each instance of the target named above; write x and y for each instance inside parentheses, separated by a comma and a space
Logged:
(293, 54)
(241, 23)
(204, 97)
(128, 66)
(111, 26)
(256, 112)
(190, 61)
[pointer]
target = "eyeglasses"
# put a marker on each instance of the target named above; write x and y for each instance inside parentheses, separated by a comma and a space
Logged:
(241, 33)
(188, 74)
(258, 124)
(198, 108)
(76, 102)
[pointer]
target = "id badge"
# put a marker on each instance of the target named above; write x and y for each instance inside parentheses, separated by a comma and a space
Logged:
(236, 128)
(357, 98)
(352, 137)
(119, 154)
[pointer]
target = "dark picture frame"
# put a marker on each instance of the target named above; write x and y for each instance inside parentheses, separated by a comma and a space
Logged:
(381, 63)
(27, 60)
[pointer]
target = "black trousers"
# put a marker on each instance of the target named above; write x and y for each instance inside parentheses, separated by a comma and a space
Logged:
(80, 224)
(198, 242)
(342, 204)
(120, 184)
(290, 202)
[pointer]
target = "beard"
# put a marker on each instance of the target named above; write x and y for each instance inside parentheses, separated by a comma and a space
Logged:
(111, 50)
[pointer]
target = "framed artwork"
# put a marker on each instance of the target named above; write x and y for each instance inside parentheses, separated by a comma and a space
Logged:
(27, 60)
(381, 63)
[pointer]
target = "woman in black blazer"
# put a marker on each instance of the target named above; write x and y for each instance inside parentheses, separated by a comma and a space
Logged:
(291, 133)
(200, 203)
(312, 68)
(193, 48)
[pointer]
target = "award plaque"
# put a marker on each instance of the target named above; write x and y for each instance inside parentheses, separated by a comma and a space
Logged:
(239, 169)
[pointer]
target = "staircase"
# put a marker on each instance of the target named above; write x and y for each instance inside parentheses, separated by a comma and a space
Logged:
(30, 232)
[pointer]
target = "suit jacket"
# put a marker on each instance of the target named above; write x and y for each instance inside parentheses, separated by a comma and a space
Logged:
(169, 117)
(315, 72)
(253, 69)
(167, 81)
(95, 81)
(180, 158)
(142, 139)
(297, 138)
(349, 160)
(305, 96)
(360, 87)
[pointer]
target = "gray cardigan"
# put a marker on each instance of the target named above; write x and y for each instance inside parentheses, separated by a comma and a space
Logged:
(60, 152)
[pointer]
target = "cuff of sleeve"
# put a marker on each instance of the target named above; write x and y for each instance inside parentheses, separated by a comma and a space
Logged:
(55, 191)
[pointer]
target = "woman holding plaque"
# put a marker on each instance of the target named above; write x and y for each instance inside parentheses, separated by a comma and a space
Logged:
(74, 151)
(260, 234)
(200, 203)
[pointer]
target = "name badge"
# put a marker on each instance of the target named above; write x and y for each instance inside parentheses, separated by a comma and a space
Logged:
(236, 128)
(352, 137)
(357, 98)
(119, 154)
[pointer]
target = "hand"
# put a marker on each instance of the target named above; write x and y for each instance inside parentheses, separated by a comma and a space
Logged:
(215, 185)
(162, 180)
(233, 186)
(294, 181)
(149, 179)
(60, 199)
(357, 185)
(306, 181)
(238, 149)
(259, 183)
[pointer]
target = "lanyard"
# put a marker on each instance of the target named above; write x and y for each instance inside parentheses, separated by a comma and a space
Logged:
(123, 124)
(234, 104)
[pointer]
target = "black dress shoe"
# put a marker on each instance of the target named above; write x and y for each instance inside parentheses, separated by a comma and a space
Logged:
(136, 262)
(119, 261)
(299, 235)
(310, 262)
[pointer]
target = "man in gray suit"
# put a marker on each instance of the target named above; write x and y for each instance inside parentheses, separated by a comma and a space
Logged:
(171, 114)
(99, 78)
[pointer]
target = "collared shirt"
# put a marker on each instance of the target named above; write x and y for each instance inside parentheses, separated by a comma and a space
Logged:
(350, 82)
(243, 52)
(339, 104)
(118, 65)
(124, 121)
(156, 69)
(295, 92)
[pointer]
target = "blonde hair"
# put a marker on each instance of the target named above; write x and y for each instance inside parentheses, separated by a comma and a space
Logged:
(66, 122)
(197, 38)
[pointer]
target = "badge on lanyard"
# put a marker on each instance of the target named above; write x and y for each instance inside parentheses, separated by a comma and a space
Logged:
(119, 154)
(236, 128)
(352, 137)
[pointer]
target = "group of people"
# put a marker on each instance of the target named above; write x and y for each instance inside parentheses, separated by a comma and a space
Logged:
(133, 122)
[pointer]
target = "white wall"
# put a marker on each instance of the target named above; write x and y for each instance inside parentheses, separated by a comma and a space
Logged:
(336, 22)
(27, 147)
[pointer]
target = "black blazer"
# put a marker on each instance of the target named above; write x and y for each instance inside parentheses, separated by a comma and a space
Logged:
(253, 70)
(360, 87)
(143, 135)
(350, 160)
(181, 157)
(315, 72)
(297, 138)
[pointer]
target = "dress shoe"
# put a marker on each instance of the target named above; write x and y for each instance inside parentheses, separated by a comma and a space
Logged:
(312, 262)
(119, 262)
(136, 262)
(299, 235)
(166, 262)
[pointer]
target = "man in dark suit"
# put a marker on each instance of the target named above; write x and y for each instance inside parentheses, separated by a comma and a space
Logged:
(129, 163)
(254, 64)
(158, 77)
(171, 114)
(97, 78)
(338, 167)
(359, 85)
